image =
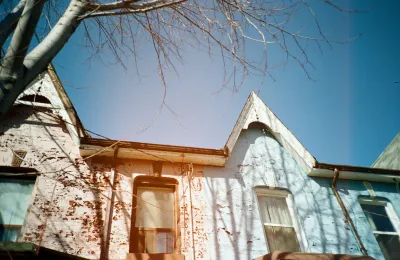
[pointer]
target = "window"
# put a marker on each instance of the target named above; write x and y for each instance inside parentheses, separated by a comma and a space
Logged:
(154, 216)
(277, 214)
(385, 225)
(15, 196)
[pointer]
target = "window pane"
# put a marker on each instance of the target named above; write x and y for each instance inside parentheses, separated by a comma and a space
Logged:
(390, 245)
(282, 239)
(378, 218)
(155, 208)
(147, 242)
(165, 242)
(14, 199)
(275, 210)
(154, 242)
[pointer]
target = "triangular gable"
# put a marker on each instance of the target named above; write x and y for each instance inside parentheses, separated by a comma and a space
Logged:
(390, 157)
(48, 85)
(255, 110)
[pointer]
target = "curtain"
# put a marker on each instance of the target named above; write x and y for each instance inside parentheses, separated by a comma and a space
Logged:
(275, 210)
(14, 200)
(155, 208)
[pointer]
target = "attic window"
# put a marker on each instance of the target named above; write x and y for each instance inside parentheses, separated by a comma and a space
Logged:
(18, 157)
(36, 99)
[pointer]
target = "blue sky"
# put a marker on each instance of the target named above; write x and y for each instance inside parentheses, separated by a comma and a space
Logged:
(347, 115)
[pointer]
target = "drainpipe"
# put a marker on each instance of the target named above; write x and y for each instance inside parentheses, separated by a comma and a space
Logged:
(110, 209)
(346, 214)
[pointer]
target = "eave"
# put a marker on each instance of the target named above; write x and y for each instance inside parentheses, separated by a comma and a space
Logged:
(154, 152)
(357, 173)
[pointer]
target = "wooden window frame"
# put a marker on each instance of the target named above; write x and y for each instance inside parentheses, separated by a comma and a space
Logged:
(154, 182)
(281, 193)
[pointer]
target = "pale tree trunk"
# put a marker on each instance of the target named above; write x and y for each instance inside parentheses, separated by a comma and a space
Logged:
(39, 58)
(8, 24)
(12, 65)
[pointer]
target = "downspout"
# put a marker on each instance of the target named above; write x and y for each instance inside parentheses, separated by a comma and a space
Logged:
(110, 209)
(346, 214)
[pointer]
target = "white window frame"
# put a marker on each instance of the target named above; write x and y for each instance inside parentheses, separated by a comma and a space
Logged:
(281, 193)
(391, 213)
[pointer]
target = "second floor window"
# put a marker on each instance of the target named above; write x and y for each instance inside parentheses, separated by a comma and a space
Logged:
(15, 196)
(385, 225)
(155, 216)
(277, 215)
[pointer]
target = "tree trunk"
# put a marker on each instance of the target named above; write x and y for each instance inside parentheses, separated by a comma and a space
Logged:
(40, 57)
(12, 64)
(8, 24)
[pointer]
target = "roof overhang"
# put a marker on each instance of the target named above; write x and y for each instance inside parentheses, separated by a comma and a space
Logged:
(324, 170)
(153, 152)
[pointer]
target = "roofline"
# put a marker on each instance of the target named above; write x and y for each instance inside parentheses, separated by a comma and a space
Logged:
(69, 107)
(278, 129)
(355, 173)
(386, 148)
(154, 152)
(350, 168)
(150, 146)
(237, 128)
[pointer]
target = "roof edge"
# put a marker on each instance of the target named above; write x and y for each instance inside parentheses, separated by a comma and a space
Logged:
(350, 168)
(69, 107)
(255, 110)
(386, 149)
(150, 146)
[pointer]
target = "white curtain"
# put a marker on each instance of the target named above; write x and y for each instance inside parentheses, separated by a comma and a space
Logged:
(155, 208)
(275, 210)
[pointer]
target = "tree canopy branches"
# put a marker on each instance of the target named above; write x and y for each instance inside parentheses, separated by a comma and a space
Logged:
(226, 26)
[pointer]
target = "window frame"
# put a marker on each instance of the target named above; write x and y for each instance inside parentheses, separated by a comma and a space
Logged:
(11, 173)
(281, 193)
(391, 214)
(154, 182)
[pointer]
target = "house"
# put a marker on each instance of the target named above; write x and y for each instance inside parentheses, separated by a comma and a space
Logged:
(67, 195)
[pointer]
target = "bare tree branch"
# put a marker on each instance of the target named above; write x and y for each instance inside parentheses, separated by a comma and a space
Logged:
(225, 29)
(133, 9)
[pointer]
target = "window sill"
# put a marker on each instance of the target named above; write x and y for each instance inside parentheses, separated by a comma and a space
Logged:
(144, 256)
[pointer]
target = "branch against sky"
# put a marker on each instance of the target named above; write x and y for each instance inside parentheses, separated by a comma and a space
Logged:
(225, 26)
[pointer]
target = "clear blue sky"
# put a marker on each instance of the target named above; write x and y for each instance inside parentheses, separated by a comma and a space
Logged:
(348, 115)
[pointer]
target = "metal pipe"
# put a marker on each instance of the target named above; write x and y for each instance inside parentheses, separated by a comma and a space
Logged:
(346, 213)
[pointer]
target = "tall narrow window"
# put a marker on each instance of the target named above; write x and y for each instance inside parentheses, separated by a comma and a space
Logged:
(277, 215)
(155, 216)
(385, 225)
(14, 199)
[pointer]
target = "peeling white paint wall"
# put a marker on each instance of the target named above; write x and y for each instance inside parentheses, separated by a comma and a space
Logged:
(219, 216)
(235, 226)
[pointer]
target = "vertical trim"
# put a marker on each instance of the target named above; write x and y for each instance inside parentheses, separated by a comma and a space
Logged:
(110, 209)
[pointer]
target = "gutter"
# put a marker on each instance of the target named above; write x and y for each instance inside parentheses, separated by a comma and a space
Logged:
(149, 146)
(346, 213)
(153, 152)
(357, 173)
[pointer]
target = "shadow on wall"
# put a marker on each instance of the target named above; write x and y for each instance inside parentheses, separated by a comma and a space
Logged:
(258, 159)
(66, 213)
